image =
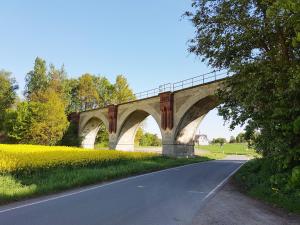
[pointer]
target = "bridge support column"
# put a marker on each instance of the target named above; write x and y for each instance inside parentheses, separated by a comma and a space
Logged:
(169, 146)
(178, 150)
(173, 149)
(112, 125)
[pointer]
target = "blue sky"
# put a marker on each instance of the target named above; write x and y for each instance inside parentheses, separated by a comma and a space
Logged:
(144, 40)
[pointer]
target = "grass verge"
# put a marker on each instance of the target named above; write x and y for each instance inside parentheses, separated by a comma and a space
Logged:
(22, 185)
(229, 149)
(260, 179)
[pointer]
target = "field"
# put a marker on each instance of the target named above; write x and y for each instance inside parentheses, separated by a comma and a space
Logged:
(30, 170)
(229, 149)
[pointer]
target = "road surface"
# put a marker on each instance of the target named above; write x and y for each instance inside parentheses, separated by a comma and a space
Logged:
(169, 197)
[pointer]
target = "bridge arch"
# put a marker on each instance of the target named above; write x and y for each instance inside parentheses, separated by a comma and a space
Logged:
(190, 120)
(89, 127)
(129, 123)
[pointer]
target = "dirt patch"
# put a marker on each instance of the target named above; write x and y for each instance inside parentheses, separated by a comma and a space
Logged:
(231, 207)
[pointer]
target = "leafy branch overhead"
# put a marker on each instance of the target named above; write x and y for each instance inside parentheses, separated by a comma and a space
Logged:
(258, 41)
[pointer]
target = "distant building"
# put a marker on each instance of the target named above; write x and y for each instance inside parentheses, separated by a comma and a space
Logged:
(201, 139)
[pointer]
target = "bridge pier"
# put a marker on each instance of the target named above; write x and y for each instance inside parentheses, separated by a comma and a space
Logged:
(178, 150)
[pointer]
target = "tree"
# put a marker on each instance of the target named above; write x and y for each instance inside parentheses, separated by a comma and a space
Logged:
(220, 141)
(36, 79)
(102, 135)
(122, 91)
(57, 81)
(138, 136)
(87, 92)
(258, 42)
(149, 139)
(8, 89)
(42, 122)
(50, 121)
(18, 121)
(42, 118)
(232, 139)
(240, 138)
(104, 89)
(73, 101)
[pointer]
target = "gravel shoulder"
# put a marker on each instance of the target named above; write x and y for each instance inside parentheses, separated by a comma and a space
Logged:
(231, 207)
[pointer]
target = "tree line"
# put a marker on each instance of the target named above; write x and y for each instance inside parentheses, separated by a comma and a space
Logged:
(49, 96)
(240, 138)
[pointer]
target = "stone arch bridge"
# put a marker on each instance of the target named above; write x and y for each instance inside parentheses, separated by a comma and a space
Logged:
(178, 110)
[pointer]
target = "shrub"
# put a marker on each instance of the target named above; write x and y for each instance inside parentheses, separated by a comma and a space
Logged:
(294, 180)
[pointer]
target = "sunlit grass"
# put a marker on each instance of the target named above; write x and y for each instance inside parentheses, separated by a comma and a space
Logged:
(229, 149)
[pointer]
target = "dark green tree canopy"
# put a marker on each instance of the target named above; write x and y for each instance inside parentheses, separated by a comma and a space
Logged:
(8, 95)
(8, 89)
(258, 42)
(236, 32)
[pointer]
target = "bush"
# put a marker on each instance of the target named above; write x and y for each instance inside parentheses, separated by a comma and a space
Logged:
(294, 180)
(297, 125)
(264, 179)
(71, 137)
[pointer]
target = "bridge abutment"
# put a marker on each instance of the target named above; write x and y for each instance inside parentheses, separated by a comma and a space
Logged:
(178, 150)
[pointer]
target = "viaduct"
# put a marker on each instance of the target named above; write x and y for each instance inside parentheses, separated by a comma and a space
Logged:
(177, 108)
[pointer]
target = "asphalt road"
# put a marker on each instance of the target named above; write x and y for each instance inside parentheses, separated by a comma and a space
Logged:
(169, 197)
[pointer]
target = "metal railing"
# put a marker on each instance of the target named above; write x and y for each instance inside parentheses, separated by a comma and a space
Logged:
(191, 82)
(201, 79)
(147, 94)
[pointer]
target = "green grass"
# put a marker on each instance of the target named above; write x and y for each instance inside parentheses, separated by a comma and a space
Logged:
(21, 186)
(229, 149)
(260, 179)
(101, 146)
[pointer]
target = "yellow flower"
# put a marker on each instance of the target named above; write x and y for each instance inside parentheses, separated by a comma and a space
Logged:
(14, 158)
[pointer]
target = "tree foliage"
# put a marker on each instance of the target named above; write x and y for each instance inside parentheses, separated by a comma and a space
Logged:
(121, 91)
(37, 122)
(220, 141)
(258, 42)
(240, 138)
(36, 79)
(146, 139)
(8, 89)
(50, 121)
(50, 97)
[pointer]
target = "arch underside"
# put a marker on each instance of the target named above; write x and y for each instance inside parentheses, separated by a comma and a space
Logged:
(186, 130)
(128, 130)
(89, 133)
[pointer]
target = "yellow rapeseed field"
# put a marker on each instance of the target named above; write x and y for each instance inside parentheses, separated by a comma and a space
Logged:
(14, 158)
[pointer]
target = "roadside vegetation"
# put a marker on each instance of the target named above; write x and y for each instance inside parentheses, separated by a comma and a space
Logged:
(261, 179)
(258, 42)
(31, 170)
